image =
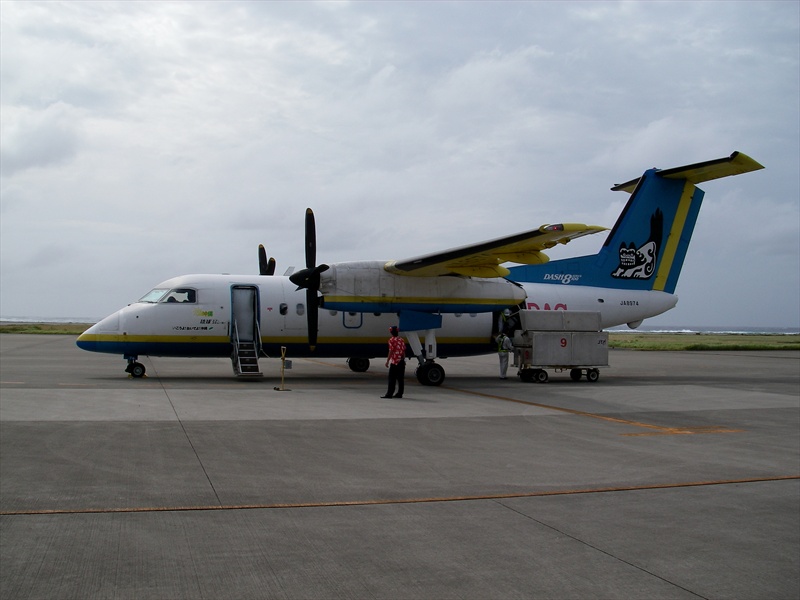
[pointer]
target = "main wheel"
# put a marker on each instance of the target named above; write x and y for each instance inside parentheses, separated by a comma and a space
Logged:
(430, 373)
(592, 375)
(358, 365)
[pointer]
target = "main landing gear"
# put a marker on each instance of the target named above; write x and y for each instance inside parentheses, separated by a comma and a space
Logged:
(358, 365)
(135, 368)
(430, 373)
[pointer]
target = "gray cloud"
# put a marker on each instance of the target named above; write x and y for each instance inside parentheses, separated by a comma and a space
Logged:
(37, 138)
(162, 138)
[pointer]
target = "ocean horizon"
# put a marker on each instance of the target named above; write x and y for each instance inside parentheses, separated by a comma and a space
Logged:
(732, 330)
(687, 329)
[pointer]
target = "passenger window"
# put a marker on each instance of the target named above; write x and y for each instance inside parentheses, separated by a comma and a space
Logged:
(301, 309)
(183, 295)
(284, 308)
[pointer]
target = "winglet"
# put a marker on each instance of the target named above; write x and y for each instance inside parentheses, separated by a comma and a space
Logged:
(735, 164)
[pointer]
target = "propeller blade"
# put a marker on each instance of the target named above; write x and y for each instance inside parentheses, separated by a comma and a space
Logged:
(311, 240)
(265, 267)
(309, 279)
(312, 311)
(263, 263)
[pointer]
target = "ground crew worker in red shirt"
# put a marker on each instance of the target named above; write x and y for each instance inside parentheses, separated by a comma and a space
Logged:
(396, 361)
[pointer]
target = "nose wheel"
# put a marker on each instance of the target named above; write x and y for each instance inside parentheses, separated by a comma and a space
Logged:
(135, 368)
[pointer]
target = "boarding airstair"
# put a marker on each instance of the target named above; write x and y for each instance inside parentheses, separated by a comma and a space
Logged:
(245, 355)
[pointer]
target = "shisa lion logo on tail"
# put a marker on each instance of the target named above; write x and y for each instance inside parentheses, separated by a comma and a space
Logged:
(640, 263)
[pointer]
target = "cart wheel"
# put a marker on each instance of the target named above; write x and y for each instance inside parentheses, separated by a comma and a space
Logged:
(541, 376)
(592, 375)
(526, 375)
(575, 374)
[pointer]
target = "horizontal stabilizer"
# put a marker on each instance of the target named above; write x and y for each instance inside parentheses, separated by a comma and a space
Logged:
(735, 164)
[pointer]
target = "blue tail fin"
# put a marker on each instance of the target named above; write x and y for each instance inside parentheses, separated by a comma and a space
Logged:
(646, 247)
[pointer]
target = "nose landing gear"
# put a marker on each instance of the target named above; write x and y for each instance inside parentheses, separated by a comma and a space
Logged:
(135, 368)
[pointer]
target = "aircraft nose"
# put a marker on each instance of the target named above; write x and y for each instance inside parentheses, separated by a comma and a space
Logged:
(88, 339)
(85, 340)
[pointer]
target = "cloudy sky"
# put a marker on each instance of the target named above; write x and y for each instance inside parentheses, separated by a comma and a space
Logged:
(144, 140)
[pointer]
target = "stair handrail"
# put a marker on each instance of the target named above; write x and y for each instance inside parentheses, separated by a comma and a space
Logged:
(258, 340)
(236, 360)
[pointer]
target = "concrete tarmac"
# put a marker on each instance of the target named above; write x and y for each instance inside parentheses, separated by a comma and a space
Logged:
(677, 475)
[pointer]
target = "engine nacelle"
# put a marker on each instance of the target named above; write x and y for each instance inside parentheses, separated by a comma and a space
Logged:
(368, 287)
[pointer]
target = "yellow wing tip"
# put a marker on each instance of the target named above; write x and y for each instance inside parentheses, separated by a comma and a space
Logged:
(745, 163)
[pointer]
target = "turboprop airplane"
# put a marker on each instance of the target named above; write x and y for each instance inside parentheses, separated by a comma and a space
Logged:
(446, 303)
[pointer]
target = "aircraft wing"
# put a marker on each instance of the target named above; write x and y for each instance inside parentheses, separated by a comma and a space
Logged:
(484, 259)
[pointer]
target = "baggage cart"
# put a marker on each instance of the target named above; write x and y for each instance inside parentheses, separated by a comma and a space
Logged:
(562, 341)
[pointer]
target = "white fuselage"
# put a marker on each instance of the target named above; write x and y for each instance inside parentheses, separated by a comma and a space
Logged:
(201, 324)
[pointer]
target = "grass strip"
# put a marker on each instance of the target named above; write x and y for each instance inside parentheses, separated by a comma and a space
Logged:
(703, 341)
(616, 339)
(45, 328)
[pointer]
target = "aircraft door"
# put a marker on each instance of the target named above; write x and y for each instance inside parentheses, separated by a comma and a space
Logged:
(244, 317)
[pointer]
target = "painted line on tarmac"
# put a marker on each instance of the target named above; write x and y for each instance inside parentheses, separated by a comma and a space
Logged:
(656, 429)
(685, 431)
(377, 502)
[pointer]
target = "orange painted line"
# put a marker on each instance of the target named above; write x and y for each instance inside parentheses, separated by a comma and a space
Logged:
(375, 502)
(342, 367)
(686, 431)
(658, 429)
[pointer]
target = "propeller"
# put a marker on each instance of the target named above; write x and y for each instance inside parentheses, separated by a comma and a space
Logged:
(309, 279)
(265, 267)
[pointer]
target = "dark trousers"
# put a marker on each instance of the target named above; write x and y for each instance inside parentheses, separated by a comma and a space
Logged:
(396, 374)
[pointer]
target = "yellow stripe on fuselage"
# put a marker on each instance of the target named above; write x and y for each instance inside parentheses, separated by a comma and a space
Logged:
(120, 338)
(674, 238)
(267, 339)
(330, 299)
(359, 340)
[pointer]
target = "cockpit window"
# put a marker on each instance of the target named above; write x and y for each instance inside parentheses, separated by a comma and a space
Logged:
(180, 295)
(153, 295)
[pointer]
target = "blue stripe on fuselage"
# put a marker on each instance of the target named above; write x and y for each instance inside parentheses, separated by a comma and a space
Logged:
(297, 350)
